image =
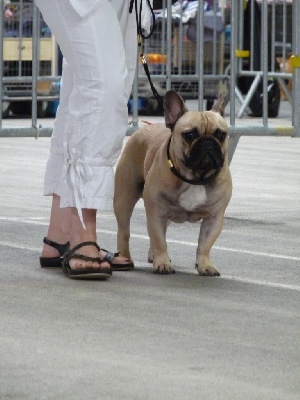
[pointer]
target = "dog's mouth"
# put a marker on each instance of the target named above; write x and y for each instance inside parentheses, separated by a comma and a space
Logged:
(205, 162)
(205, 157)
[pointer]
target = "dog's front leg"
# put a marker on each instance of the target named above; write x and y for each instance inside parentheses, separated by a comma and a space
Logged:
(211, 228)
(157, 228)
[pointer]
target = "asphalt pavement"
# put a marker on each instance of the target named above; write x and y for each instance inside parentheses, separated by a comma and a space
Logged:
(141, 336)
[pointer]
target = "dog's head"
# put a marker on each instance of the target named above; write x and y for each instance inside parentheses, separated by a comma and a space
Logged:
(199, 139)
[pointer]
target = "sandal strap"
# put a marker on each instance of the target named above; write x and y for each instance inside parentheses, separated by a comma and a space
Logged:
(78, 246)
(109, 256)
(61, 248)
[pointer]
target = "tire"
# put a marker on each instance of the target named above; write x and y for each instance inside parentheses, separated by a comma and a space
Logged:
(5, 109)
(42, 109)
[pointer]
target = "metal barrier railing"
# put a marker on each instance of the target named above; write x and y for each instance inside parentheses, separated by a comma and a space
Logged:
(28, 55)
(198, 49)
(236, 70)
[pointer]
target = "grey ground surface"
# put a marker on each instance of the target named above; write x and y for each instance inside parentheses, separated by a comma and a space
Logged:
(143, 336)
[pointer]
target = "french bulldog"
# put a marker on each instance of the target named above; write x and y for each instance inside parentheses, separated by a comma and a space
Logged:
(181, 171)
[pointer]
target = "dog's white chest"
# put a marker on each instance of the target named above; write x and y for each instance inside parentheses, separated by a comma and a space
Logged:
(193, 197)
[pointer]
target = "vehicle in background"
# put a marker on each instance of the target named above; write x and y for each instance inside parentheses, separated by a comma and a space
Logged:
(17, 62)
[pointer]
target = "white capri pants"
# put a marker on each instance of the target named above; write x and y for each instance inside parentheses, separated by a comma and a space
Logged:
(100, 51)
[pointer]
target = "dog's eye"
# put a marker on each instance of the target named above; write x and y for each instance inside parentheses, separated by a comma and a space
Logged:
(220, 135)
(190, 136)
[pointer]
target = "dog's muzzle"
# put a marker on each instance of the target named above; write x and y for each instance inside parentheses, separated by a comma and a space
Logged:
(205, 155)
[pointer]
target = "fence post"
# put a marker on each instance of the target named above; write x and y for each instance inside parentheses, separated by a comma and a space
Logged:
(35, 63)
(1, 58)
(296, 68)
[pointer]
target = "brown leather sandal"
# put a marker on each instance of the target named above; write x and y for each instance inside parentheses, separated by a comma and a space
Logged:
(86, 273)
(49, 262)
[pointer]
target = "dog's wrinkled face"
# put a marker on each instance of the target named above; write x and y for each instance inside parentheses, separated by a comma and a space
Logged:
(204, 154)
(200, 139)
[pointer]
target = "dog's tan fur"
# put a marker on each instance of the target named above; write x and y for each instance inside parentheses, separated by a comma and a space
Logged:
(143, 171)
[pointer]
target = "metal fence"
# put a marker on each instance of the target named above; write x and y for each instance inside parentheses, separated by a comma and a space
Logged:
(29, 58)
(249, 51)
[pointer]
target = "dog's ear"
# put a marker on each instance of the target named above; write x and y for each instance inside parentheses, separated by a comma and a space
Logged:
(219, 105)
(174, 108)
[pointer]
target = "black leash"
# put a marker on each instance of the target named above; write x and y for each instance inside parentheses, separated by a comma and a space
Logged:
(140, 37)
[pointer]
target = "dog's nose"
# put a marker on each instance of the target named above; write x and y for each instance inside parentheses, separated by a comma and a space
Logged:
(207, 144)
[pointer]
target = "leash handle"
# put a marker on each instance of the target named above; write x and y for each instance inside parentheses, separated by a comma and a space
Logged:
(138, 16)
(140, 37)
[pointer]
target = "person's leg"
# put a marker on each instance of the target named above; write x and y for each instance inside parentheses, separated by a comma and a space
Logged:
(80, 235)
(59, 229)
(74, 179)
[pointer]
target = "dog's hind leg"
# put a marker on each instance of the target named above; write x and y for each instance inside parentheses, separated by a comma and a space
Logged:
(127, 192)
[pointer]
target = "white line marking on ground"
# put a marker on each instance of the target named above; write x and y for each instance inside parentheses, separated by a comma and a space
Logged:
(235, 213)
(147, 265)
(274, 285)
(184, 243)
(263, 283)
(264, 159)
(258, 253)
(145, 237)
(20, 247)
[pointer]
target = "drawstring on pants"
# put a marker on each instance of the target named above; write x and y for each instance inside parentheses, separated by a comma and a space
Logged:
(78, 170)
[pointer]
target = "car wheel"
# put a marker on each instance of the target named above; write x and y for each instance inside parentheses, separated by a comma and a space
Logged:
(42, 109)
(5, 109)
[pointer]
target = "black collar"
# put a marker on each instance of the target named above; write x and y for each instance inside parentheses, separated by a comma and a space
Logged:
(200, 181)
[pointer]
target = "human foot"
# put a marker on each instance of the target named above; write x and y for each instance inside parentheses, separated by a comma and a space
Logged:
(87, 264)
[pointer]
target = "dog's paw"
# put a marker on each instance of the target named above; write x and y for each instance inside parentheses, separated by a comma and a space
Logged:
(208, 270)
(164, 269)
